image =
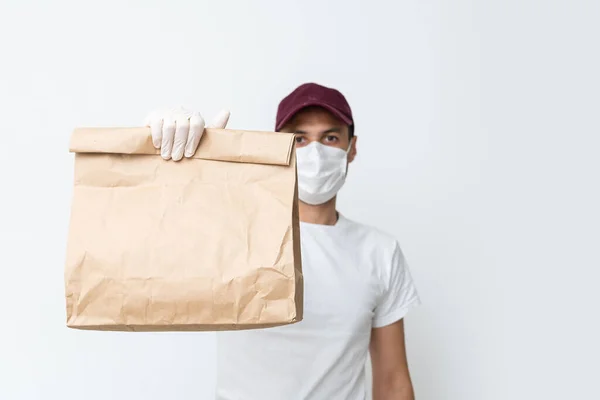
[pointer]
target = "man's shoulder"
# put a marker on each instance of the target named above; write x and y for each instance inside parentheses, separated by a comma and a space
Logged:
(370, 235)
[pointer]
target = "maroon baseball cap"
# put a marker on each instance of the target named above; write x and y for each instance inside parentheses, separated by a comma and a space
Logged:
(312, 94)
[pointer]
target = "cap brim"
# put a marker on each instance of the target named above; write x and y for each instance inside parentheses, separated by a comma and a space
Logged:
(340, 115)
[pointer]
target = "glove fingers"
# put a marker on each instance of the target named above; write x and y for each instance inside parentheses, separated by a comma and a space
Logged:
(156, 126)
(220, 120)
(177, 132)
(182, 127)
(196, 131)
(168, 135)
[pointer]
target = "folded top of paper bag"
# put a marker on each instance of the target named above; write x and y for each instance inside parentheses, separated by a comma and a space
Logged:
(216, 144)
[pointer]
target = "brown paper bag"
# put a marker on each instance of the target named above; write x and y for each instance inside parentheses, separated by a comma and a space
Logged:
(206, 243)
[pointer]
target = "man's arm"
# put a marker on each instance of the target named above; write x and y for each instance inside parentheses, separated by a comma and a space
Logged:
(391, 378)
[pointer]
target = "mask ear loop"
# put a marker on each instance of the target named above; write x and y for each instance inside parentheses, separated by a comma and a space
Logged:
(346, 158)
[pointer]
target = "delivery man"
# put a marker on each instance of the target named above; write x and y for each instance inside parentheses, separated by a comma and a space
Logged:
(358, 286)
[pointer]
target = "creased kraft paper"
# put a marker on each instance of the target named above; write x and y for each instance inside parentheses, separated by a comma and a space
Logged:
(205, 243)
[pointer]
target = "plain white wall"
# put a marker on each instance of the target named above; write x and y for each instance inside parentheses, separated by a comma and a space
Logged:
(478, 148)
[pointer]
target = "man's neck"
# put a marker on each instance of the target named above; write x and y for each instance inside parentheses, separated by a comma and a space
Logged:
(322, 214)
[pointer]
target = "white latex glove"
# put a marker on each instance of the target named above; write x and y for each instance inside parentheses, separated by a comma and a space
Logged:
(177, 131)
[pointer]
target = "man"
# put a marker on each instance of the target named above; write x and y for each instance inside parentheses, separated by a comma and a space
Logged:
(358, 287)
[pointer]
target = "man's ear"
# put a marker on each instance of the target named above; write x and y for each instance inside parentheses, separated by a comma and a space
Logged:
(352, 152)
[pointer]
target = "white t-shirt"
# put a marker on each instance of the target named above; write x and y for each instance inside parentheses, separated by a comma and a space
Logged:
(355, 278)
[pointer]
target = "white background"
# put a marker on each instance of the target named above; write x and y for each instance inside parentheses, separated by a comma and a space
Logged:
(478, 148)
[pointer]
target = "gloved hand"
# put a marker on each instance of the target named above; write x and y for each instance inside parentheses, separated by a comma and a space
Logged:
(177, 132)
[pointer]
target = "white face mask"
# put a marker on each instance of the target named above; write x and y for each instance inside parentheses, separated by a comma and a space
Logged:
(321, 172)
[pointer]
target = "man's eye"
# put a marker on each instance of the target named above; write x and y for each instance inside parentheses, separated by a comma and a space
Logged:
(299, 139)
(331, 138)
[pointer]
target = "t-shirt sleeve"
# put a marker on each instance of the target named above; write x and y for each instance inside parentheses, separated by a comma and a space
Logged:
(398, 294)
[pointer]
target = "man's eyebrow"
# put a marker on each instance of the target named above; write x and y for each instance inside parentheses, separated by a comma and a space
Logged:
(299, 132)
(333, 130)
